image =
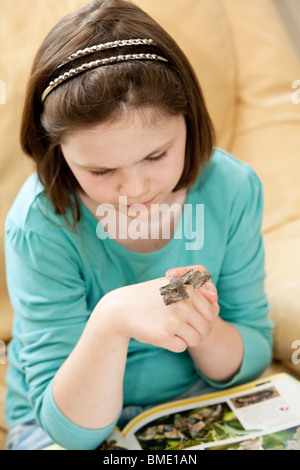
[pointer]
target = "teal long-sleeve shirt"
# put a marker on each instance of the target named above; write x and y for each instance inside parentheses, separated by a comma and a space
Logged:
(56, 277)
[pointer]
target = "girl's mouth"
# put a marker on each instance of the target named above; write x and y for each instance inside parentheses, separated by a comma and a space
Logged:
(140, 205)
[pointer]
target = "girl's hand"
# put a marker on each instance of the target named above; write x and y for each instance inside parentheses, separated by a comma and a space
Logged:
(208, 289)
(219, 352)
(207, 303)
(138, 311)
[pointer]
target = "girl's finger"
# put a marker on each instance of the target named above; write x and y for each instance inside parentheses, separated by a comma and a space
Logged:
(209, 286)
(210, 292)
(211, 295)
(177, 272)
(206, 303)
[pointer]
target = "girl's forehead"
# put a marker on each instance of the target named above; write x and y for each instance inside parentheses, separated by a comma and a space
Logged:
(133, 138)
(141, 120)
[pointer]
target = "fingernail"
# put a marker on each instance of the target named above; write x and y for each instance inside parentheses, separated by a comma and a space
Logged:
(213, 293)
(170, 273)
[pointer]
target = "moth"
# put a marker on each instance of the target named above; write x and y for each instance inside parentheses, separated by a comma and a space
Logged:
(175, 290)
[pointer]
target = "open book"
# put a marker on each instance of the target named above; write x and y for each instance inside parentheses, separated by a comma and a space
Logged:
(261, 415)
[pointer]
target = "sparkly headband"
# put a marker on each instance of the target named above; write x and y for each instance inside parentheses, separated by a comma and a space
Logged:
(98, 63)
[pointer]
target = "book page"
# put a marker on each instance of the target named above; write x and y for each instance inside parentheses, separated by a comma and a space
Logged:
(262, 415)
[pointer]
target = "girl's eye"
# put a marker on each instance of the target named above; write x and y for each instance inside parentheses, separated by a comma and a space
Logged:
(159, 157)
(100, 172)
(151, 159)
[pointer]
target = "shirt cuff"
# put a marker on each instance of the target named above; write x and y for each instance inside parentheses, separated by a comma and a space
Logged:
(64, 432)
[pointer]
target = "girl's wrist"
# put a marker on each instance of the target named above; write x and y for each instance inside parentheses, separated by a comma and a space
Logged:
(107, 319)
(220, 354)
(212, 338)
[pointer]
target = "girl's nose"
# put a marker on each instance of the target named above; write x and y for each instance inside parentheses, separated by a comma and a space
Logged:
(134, 184)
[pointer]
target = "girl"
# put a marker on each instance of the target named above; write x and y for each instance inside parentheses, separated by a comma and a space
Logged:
(125, 169)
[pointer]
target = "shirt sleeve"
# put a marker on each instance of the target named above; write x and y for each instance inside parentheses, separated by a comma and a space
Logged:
(48, 294)
(242, 298)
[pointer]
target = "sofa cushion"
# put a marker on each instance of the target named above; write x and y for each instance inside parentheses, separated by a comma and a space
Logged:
(267, 127)
(202, 32)
(283, 286)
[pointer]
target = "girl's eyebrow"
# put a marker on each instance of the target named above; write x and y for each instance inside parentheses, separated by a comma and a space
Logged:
(164, 147)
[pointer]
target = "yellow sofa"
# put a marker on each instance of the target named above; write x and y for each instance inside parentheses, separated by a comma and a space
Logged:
(247, 67)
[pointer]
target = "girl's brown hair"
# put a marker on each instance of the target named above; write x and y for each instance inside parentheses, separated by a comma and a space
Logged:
(105, 93)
